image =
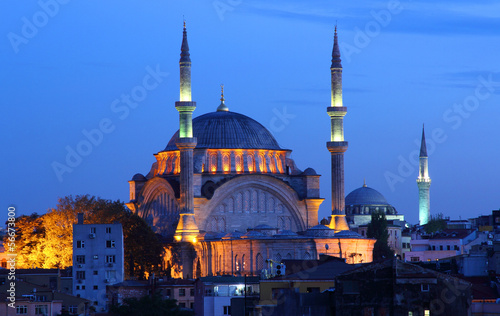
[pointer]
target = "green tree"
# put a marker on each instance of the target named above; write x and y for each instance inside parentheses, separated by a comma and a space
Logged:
(148, 306)
(436, 224)
(377, 229)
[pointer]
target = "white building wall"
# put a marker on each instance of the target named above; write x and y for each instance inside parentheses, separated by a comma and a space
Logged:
(97, 261)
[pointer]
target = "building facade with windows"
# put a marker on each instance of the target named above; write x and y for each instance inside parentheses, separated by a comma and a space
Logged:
(97, 260)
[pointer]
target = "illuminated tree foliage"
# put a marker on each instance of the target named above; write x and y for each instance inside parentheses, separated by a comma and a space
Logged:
(46, 241)
(377, 229)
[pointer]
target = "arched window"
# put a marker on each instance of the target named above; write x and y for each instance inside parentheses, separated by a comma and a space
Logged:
(277, 258)
(243, 263)
(259, 262)
(288, 256)
(307, 256)
(237, 265)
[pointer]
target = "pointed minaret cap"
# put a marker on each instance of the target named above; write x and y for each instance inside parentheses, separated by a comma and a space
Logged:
(222, 107)
(185, 47)
(423, 147)
(336, 62)
(364, 183)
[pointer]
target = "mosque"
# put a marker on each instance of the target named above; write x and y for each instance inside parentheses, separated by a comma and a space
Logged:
(229, 198)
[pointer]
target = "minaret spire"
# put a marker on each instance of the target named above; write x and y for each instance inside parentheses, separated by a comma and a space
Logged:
(423, 183)
(185, 68)
(337, 145)
(187, 230)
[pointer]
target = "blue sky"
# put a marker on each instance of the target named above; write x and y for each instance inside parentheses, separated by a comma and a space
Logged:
(65, 64)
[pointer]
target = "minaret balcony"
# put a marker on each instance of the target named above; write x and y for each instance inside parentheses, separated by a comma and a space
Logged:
(337, 111)
(185, 106)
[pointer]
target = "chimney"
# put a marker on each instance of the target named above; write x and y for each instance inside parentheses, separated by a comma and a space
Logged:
(80, 218)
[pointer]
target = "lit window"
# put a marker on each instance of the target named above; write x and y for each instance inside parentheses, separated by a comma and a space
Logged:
(427, 312)
(96, 257)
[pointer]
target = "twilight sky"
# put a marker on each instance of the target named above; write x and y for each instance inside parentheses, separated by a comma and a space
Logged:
(69, 67)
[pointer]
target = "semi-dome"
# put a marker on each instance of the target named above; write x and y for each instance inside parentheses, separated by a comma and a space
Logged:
(365, 196)
(228, 130)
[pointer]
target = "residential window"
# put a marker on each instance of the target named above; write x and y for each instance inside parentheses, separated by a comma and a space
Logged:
(191, 292)
(80, 244)
(21, 310)
(182, 292)
(410, 313)
(77, 287)
(448, 247)
(191, 305)
(41, 310)
(73, 309)
(427, 312)
(108, 230)
(424, 287)
(83, 287)
(456, 247)
(110, 244)
(183, 305)
(415, 259)
(440, 247)
(110, 274)
(80, 275)
(169, 292)
(111, 259)
(433, 247)
(96, 272)
(96, 257)
(96, 287)
(92, 230)
(227, 310)
(80, 259)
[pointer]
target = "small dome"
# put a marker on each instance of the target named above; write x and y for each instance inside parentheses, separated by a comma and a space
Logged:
(348, 234)
(138, 177)
(227, 130)
(320, 231)
(232, 235)
(309, 172)
(365, 196)
(252, 234)
(285, 234)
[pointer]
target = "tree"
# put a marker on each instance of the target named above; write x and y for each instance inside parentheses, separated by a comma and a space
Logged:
(148, 306)
(436, 224)
(377, 229)
(47, 241)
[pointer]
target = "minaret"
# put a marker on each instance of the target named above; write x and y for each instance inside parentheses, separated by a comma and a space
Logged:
(187, 230)
(424, 183)
(337, 146)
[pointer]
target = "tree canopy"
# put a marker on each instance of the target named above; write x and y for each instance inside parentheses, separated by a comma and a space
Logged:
(148, 306)
(46, 241)
(436, 224)
(377, 229)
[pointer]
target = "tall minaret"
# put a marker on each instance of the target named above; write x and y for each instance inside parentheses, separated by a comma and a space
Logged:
(187, 230)
(337, 146)
(423, 182)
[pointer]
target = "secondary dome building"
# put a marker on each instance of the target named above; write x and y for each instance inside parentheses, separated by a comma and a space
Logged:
(229, 197)
(362, 202)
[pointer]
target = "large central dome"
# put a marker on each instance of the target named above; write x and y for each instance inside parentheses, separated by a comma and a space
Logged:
(228, 130)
